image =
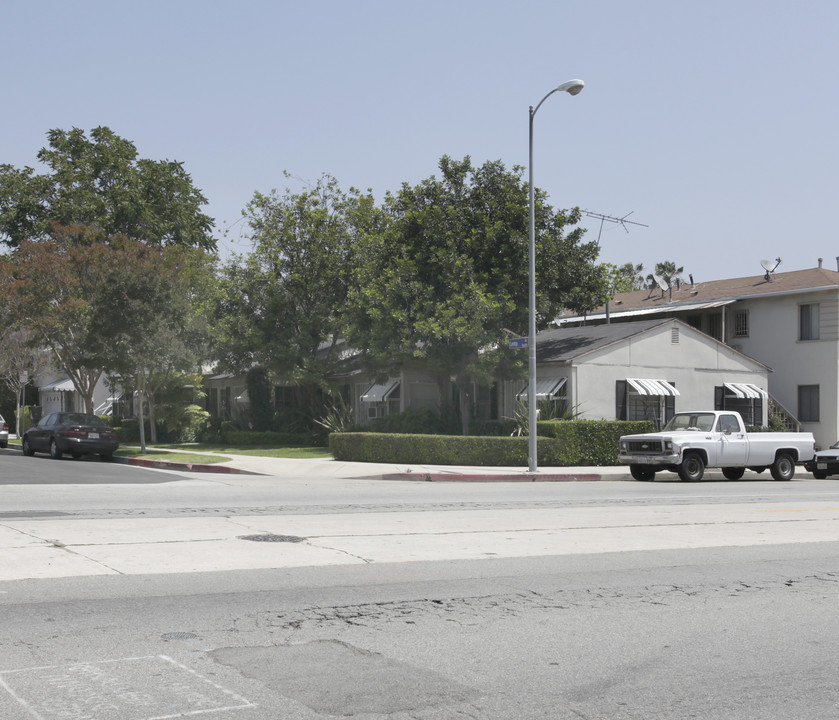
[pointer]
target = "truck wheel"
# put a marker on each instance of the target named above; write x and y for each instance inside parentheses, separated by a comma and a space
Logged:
(641, 472)
(733, 473)
(692, 468)
(819, 474)
(783, 468)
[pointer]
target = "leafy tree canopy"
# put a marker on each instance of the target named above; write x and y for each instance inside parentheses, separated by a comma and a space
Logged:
(282, 307)
(447, 278)
(100, 182)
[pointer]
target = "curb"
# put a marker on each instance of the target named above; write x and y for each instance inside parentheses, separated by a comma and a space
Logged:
(464, 477)
(168, 465)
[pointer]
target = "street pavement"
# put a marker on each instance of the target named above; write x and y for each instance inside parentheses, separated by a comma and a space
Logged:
(59, 544)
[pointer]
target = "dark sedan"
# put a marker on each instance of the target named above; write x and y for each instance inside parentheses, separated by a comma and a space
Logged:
(75, 433)
(825, 463)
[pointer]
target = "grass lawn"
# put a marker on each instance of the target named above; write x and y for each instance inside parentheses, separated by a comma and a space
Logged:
(294, 452)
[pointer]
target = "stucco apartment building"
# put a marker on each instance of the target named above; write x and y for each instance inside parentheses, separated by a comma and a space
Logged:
(788, 321)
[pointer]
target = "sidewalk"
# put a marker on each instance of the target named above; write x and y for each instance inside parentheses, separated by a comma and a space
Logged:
(328, 468)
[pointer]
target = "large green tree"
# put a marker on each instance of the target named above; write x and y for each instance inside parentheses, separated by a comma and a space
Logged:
(107, 305)
(446, 280)
(154, 318)
(282, 307)
(101, 182)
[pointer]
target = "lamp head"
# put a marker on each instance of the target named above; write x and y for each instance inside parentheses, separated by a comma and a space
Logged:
(572, 87)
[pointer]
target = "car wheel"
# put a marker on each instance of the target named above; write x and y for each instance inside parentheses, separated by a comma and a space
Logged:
(4, 444)
(783, 468)
(733, 473)
(55, 452)
(819, 474)
(641, 472)
(107, 457)
(26, 447)
(76, 455)
(692, 468)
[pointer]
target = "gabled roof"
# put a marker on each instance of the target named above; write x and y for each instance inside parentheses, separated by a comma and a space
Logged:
(714, 293)
(567, 344)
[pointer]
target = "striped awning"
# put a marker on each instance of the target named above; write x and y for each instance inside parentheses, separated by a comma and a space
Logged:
(546, 388)
(746, 390)
(380, 392)
(652, 387)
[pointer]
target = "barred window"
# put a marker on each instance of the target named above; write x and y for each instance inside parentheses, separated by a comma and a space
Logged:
(741, 323)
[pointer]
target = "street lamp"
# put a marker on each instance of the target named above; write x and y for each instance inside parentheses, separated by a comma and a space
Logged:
(572, 87)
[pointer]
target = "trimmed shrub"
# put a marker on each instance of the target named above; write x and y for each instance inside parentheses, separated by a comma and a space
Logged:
(433, 449)
(590, 442)
(561, 443)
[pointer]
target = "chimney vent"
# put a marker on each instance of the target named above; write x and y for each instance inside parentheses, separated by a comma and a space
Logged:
(821, 260)
(690, 275)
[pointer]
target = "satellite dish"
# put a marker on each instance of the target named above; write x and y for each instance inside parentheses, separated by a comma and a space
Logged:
(662, 283)
(770, 266)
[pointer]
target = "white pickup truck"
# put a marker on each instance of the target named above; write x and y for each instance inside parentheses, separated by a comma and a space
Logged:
(692, 441)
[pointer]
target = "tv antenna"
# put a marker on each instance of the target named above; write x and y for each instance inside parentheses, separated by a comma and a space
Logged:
(769, 266)
(622, 221)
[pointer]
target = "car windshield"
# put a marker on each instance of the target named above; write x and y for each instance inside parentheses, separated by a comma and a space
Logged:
(701, 422)
(81, 419)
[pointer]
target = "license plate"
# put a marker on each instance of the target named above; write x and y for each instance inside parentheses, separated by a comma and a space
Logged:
(821, 466)
(93, 436)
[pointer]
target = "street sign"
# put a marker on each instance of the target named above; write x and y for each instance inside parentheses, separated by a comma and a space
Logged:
(517, 343)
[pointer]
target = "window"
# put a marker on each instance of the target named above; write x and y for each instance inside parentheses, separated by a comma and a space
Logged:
(741, 323)
(715, 326)
(808, 403)
(808, 322)
(728, 424)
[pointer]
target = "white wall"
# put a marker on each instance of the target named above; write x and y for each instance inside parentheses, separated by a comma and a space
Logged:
(695, 364)
(773, 339)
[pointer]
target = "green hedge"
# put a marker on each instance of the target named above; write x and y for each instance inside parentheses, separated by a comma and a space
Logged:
(560, 444)
(590, 442)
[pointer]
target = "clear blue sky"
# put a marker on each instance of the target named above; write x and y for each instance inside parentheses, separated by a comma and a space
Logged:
(713, 122)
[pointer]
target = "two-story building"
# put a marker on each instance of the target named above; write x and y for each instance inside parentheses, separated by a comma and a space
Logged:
(788, 321)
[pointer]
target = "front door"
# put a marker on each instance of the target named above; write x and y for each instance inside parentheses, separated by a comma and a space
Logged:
(733, 445)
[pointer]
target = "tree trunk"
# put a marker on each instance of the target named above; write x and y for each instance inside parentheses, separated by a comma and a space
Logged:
(141, 384)
(465, 406)
(152, 422)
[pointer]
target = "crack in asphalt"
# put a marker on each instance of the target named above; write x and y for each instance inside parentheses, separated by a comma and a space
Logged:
(481, 609)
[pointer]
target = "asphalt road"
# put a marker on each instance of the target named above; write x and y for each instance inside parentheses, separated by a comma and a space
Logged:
(737, 621)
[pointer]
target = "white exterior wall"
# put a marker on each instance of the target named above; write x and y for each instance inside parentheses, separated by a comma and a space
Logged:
(695, 364)
(773, 339)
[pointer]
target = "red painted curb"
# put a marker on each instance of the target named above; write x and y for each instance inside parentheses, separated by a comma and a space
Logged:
(464, 477)
(166, 465)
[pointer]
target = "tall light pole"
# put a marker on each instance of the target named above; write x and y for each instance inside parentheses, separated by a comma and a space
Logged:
(572, 87)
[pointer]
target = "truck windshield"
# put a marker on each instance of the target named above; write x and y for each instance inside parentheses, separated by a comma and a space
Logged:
(701, 422)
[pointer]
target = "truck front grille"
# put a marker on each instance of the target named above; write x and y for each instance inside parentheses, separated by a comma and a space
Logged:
(644, 447)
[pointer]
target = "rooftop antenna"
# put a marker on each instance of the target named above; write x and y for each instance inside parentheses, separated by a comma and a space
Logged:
(622, 221)
(769, 266)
